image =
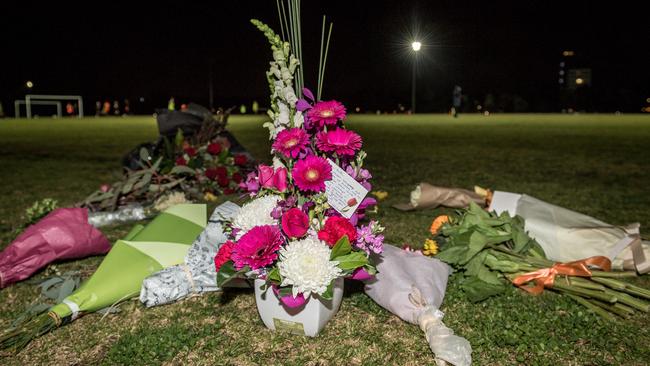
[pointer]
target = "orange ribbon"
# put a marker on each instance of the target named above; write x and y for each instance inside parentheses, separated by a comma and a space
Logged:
(545, 277)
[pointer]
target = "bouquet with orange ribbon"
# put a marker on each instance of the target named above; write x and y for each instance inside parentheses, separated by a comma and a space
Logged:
(492, 250)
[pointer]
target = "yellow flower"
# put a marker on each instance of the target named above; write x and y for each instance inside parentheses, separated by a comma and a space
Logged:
(209, 197)
(381, 195)
(430, 248)
(437, 223)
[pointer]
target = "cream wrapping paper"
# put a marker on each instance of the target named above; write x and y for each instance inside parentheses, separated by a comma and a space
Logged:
(428, 196)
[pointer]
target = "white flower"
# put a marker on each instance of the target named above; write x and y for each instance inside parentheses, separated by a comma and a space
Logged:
(290, 96)
(306, 266)
(167, 201)
(283, 117)
(277, 163)
(254, 213)
(415, 196)
(298, 119)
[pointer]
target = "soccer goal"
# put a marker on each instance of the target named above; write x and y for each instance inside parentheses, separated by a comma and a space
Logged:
(57, 104)
(35, 99)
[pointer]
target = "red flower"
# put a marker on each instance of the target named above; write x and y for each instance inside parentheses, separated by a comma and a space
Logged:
(181, 161)
(190, 151)
(295, 223)
(241, 160)
(211, 173)
(237, 178)
(214, 148)
(228, 191)
(335, 228)
(222, 172)
(223, 255)
(223, 181)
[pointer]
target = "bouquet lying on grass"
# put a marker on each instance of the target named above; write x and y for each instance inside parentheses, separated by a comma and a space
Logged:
(293, 234)
(490, 251)
(198, 170)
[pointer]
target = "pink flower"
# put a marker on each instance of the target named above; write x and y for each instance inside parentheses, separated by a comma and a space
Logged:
(310, 173)
(258, 247)
(341, 141)
(251, 184)
(295, 223)
(272, 178)
(291, 142)
(326, 113)
(335, 228)
(223, 255)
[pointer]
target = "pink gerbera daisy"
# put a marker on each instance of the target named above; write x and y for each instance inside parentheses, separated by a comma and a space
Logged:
(340, 141)
(257, 248)
(310, 173)
(291, 142)
(326, 113)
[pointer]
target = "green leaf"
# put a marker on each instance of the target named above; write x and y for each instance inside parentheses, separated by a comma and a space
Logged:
(477, 242)
(329, 293)
(477, 290)
(144, 154)
(474, 266)
(285, 291)
(182, 169)
(274, 275)
(227, 273)
(342, 247)
(352, 261)
(452, 254)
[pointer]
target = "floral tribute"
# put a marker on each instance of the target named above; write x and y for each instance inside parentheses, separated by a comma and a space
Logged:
(287, 233)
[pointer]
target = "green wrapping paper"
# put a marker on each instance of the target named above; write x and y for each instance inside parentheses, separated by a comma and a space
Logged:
(144, 251)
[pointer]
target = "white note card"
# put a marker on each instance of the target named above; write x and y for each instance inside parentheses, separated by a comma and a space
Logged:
(343, 192)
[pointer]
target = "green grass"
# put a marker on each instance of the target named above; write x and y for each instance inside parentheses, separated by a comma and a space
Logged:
(595, 164)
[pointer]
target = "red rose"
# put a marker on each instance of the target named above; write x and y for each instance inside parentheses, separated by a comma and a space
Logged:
(215, 148)
(222, 172)
(240, 160)
(223, 255)
(181, 161)
(190, 151)
(223, 181)
(237, 178)
(211, 173)
(295, 223)
(228, 191)
(335, 228)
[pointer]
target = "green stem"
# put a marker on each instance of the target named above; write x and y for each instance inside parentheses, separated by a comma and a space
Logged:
(614, 308)
(599, 295)
(582, 282)
(603, 313)
(613, 274)
(629, 300)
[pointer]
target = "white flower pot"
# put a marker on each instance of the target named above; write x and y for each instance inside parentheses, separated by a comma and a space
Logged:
(308, 319)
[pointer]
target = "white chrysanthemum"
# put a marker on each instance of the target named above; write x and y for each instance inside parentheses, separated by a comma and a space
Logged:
(305, 265)
(255, 213)
(415, 196)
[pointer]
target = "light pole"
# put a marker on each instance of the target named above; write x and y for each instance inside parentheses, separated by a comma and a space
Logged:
(416, 47)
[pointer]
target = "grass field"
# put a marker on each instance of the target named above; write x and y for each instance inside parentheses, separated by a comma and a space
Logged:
(596, 164)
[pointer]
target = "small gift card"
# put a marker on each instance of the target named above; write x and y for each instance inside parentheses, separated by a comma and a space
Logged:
(343, 193)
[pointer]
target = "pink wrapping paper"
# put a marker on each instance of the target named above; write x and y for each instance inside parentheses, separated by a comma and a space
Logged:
(62, 234)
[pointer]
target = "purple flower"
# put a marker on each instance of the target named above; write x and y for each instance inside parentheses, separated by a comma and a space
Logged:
(368, 240)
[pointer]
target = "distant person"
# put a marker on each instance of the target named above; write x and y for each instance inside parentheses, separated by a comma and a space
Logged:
(256, 107)
(127, 107)
(242, 109)
(98, 108)
(457, 100)
(116, 108)
(69, 109)
(171, 105)
(107, 108)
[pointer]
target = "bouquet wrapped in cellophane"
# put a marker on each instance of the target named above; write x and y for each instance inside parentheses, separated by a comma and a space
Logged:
(302, 229)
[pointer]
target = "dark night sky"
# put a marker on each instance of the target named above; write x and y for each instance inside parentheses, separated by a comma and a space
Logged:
(125, 50)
